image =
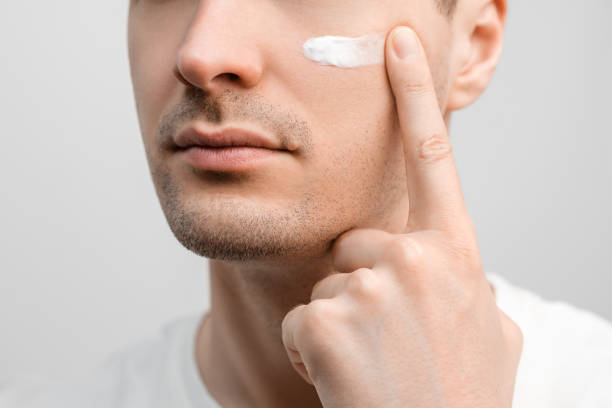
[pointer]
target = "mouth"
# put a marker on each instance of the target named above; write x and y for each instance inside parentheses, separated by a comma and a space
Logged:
(230, 149)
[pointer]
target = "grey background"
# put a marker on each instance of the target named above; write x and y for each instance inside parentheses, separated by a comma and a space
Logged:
(88, 264)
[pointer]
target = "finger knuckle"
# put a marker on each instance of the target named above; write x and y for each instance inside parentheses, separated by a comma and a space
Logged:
(404, 252)
(435, 147)
(364, 284)
(319, 319)
(420, 83)
(417, 89)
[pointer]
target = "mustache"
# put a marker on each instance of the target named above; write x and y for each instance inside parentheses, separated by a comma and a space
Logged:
(197, 104)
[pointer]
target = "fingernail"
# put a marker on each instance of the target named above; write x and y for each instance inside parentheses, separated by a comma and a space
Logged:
(405, 43)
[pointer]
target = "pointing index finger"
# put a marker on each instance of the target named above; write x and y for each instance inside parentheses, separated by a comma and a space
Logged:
(436, 201)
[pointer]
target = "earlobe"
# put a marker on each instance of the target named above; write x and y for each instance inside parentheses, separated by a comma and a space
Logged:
(480, 50)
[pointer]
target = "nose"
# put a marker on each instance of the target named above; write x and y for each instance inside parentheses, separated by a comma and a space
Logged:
(220, 50)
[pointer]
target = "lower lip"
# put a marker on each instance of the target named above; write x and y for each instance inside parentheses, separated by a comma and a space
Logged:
(226, 158)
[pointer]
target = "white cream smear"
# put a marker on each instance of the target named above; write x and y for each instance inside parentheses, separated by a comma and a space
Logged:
(346, 52)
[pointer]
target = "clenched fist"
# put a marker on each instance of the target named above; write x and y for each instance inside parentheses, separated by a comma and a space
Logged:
(409, 320)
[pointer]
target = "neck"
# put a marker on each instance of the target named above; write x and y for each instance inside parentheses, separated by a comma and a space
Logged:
(239, 350)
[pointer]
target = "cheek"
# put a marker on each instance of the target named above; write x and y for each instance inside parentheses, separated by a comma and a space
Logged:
(356, 125)
(353, 110)
(352, 115)
(152, 53)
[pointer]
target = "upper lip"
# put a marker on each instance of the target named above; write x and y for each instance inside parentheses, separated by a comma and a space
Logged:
(193, 136)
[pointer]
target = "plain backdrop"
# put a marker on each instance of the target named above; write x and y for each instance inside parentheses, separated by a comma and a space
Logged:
(88, 264)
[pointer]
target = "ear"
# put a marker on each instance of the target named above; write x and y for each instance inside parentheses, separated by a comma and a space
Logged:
(479, 32)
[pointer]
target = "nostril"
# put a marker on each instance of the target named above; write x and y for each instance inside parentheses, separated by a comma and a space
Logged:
(231, 76)
(180, 77)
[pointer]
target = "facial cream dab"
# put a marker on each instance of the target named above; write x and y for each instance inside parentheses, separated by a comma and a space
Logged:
(346, 52)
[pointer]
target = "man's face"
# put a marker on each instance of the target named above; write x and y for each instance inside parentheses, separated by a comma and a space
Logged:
(241, 67)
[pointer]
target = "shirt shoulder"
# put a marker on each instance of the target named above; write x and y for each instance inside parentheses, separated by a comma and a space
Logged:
(567, 351)
(159, 372)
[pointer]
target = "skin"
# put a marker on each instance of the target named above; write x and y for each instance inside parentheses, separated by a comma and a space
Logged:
(365, 201)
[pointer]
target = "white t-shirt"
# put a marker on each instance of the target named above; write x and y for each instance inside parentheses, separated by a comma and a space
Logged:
(566, 363)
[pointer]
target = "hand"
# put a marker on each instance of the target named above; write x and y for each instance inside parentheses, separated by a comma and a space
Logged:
(409, 320)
